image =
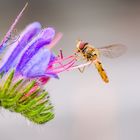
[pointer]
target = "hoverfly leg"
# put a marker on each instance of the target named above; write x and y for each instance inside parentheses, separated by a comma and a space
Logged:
(82, 70)
(76, 56)
(91, 63)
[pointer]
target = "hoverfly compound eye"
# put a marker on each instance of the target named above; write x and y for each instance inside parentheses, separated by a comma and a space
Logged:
(82, 45)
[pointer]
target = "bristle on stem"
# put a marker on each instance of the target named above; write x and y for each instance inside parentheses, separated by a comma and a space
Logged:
(15, 97)
(6, 37)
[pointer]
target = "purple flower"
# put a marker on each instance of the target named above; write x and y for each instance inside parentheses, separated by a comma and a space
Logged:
(32, 64)
(31, 54)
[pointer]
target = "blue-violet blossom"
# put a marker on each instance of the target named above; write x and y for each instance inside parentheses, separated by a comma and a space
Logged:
(31, 56)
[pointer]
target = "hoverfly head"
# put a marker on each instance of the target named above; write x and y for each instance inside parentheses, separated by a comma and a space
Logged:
(80, 45)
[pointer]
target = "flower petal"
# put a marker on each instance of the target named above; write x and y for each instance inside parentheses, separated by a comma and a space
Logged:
(16, 48)
(43, 38)
(38, 64)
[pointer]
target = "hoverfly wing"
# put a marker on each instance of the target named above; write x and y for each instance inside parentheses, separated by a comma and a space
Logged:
(112, 51)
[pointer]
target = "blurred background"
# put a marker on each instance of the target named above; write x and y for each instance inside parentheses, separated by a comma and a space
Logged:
(85, 107)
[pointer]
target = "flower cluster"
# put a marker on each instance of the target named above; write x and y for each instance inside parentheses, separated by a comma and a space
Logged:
(26, 65)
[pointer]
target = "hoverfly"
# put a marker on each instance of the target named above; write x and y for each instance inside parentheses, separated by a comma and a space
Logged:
(92, 54)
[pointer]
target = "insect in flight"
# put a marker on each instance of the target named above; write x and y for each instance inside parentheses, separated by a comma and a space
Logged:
(92, 54)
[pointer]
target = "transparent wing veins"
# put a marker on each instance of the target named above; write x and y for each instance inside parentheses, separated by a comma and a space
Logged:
(113, 51)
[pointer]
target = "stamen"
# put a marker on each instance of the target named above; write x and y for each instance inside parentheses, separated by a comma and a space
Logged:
(64, 65)
(64, 68)
(62, 59)
(58, 60)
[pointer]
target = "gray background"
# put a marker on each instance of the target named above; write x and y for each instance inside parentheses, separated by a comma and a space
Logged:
(85, 107)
